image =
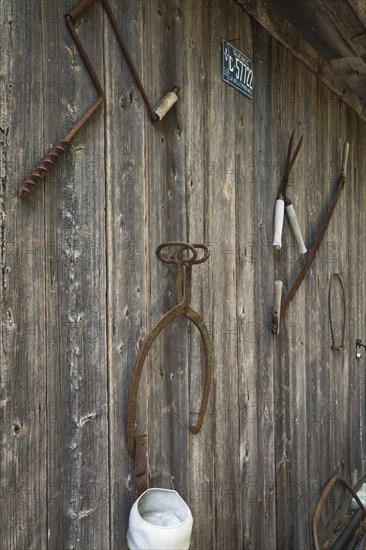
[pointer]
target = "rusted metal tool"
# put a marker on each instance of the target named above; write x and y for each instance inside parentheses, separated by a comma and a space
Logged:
(59, 148)
(185, 256)
(283, 202)
(319, 507)
(311, 255)
(341, 346)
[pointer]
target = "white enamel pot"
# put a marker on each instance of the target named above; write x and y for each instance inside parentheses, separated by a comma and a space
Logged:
(159, 520)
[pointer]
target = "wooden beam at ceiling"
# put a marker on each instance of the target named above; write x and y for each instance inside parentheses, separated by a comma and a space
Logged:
(288, 36)
(353, 70)
(359, 43)
(344, 22)
(359, 7)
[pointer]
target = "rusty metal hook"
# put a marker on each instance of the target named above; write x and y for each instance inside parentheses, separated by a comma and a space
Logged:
(341, 346)
(182, 307)
(59, 148)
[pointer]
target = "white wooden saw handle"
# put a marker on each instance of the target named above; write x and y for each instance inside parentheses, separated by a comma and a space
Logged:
(276, 307)
(345, 156)
(292, 218)
(278, 223)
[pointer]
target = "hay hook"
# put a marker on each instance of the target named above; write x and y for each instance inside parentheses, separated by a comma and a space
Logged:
(184, 258)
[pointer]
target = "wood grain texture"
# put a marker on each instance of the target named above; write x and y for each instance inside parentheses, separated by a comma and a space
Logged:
(23, 360)
(194, 107)
(168, 369)
(126, 250)
(247, 248)
(221, 203)
(74, 233)
(81, 285)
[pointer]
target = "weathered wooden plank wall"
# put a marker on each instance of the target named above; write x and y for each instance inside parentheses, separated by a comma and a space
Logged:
(81, 285)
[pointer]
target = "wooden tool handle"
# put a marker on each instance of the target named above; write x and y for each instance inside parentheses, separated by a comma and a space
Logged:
(292, 218)
(345, 156)
(278, 223)
(167, 102)
(276, 307)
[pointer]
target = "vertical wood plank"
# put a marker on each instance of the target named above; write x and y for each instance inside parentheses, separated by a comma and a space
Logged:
(128, 279)
(262, 222)
(282, 113)
(354, 256)
(335, 245)
(194, 108)
(23, 368)
(165, 179)
(357, 288)
(221, 227)
(247, 248)
(283, 347)
(357, 319)
(292, 472)
(75, 281)
(310, 334)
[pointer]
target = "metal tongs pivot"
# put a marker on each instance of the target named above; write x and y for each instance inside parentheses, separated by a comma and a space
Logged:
(184, 258)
